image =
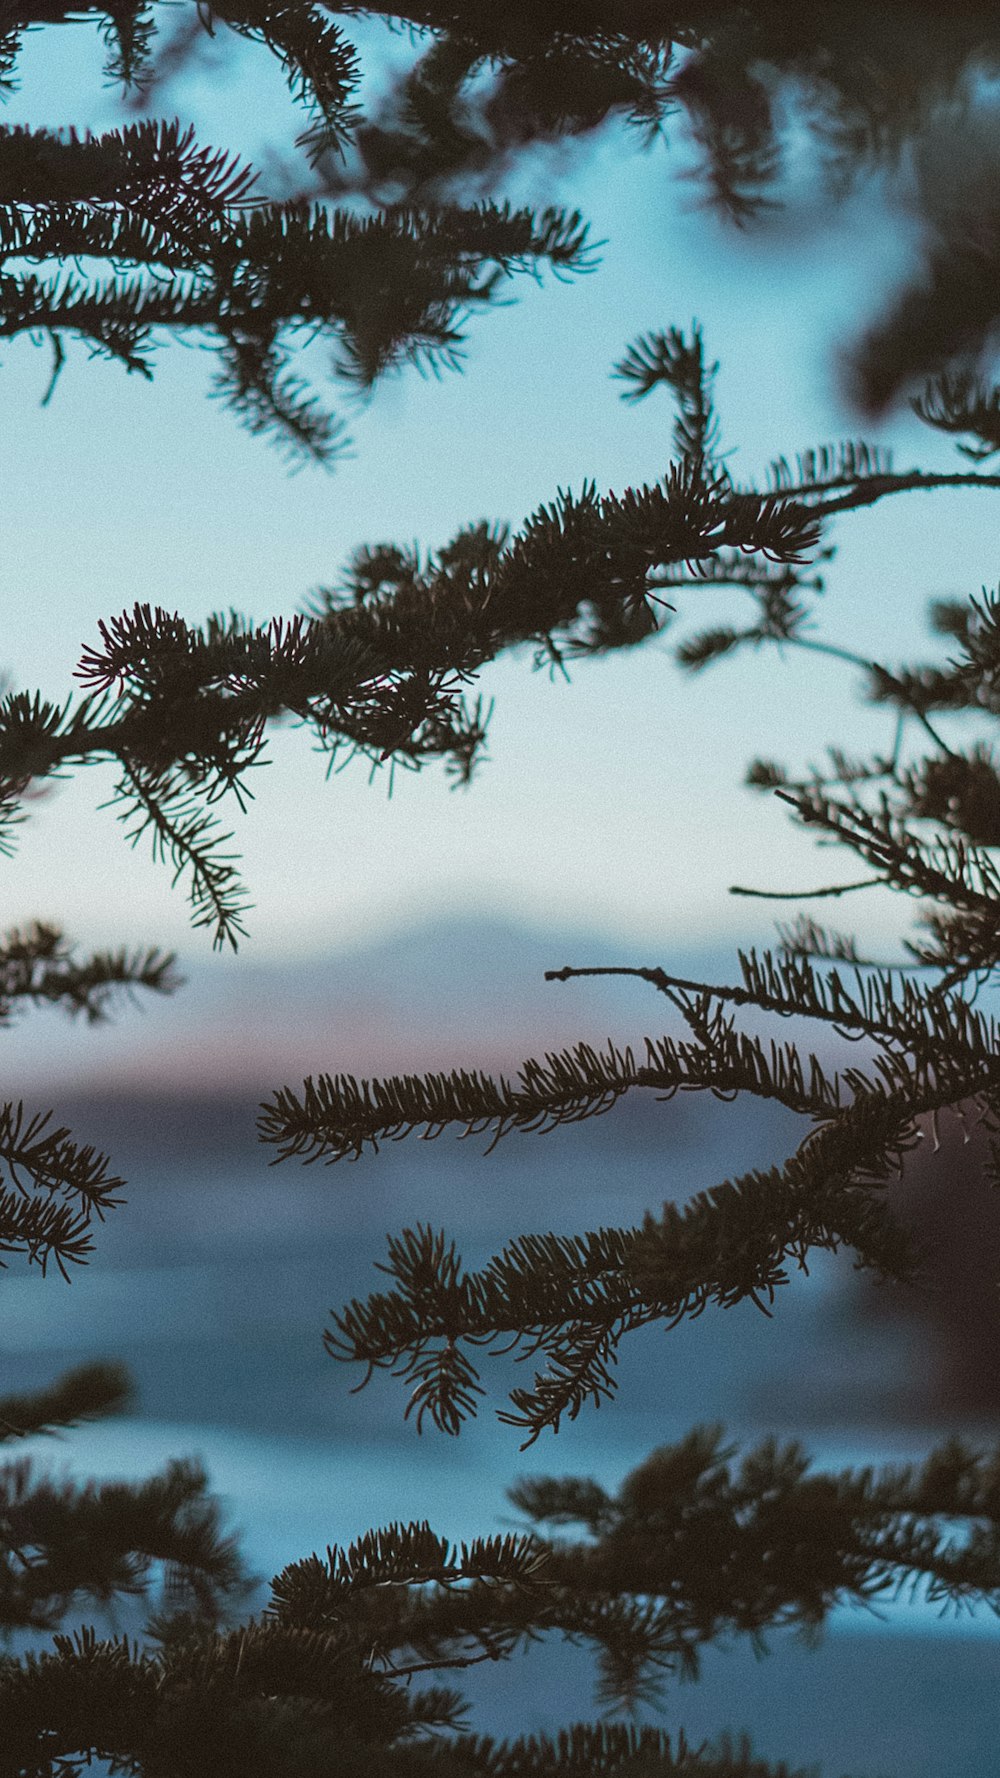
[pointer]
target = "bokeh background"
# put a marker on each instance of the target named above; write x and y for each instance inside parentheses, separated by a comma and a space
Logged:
(414, 930)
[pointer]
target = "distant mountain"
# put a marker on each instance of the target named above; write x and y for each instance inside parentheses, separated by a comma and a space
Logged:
(446, 992)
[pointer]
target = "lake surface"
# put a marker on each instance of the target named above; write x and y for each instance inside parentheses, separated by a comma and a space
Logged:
(215, 1284)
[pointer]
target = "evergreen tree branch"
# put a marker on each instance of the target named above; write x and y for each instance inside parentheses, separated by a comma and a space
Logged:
(192, 250)
(336, 1116)
(320, 65)
(52, 1161)
(380, 665)
(90, 1391)
(670, 359)
(38, 966)
(54, 1189)
(325, 1673)
(187, 837)
(380, 669)
(617, 1748)
(573, 1300)
(66, 1541)
(870, 1002)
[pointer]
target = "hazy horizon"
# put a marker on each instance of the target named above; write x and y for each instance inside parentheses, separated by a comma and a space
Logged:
(436, 990)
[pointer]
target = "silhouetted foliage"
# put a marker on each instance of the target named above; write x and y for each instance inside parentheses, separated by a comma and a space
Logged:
(691, 1549)
(695, 1546)
(773, 97)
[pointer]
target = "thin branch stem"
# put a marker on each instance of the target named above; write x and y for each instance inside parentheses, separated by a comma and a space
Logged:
(841, 1015)
(806, 894)
(877, 487)
(445, 1664)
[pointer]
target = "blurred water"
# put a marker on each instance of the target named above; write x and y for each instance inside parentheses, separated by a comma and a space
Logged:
(215, 1283)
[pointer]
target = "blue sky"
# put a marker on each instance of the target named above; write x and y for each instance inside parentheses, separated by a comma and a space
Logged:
(613, 803)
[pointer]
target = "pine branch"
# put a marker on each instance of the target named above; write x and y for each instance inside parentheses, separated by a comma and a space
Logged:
(380, 666)
(91, 1391)
(38, 966)
(803, 937)
(963, 404)
(191, 249)
(184, 711)
(320, 65)
(444, 127)
(52, 1161)
(573, 1300)
(616, 1748)
(871, 1002)
(381, 669)
(43, 1230)
(153, 168)
(336, 1116)
(947, 870)
(56, 1187)
(320, 1594)
(65, 1541)
(967, 682)
(327, 1671)
(187, 837)
(669, 358)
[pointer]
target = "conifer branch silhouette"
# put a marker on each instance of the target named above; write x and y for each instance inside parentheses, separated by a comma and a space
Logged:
(381, 666)
(190, 248)
(329, 1664)
(923, 827)
(480, 93)
(91, 1390)
(66, 1542)
(38, 967)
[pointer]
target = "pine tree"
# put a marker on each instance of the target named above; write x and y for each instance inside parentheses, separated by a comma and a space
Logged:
(695, 1545)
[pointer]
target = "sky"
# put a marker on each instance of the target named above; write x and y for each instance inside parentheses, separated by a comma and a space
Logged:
(611, 804)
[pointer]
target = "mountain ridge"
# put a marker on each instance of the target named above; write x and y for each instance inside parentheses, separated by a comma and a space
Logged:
(448, 991)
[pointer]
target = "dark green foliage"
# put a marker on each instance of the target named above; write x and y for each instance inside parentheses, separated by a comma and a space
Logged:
(37, 966)
(56, 1187)
(691, 1549)
(694, 1546)
(89, 1392)
(490, 84)
(616, 1748)
(191, 249)
(922, 825)
(961, 404)
(380, 666)
(571, 1300)
(378, 671)
(52, 1188)
(176, 240)
(66, 1542)
(485, 86)
(670, 358)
